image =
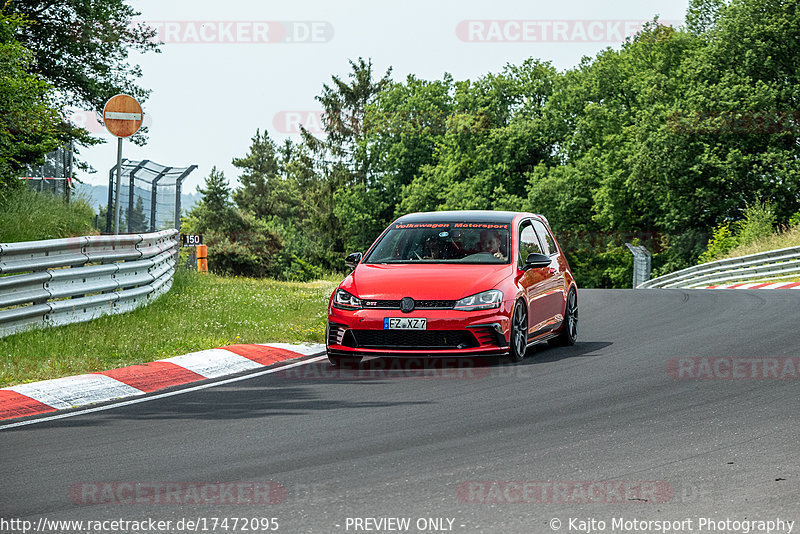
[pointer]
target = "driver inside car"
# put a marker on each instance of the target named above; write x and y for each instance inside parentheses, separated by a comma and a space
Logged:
(490, 243)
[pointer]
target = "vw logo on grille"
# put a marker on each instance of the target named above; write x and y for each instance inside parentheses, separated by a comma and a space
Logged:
(406, 305)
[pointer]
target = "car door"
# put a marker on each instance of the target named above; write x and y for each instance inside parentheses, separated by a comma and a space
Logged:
(553, 291)
(535, 282)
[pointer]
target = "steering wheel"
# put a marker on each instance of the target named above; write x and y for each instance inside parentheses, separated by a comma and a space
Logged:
(479, 256)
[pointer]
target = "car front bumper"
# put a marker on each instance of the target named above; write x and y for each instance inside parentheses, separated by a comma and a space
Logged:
(449, 333)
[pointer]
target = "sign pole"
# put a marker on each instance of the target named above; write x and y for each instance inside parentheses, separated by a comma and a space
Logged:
(118, 187)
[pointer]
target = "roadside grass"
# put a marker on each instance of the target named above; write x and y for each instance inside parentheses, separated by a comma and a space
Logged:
(787, 238)
(30, 216)
(199, 312)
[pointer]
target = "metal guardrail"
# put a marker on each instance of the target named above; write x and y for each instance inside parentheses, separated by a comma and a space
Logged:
(775, 264)
(62, 281)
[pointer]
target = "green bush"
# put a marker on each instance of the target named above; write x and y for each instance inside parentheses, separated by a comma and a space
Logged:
(246, 249)
(758, 223)
(288, 266)
(722, 242)
(30, 216)
(795, 219)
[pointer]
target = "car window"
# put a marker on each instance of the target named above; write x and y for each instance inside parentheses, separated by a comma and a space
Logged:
(528, 242)
(545, 238)
(443, 242)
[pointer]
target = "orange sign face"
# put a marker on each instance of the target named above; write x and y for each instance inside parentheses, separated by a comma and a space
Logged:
(123, 116)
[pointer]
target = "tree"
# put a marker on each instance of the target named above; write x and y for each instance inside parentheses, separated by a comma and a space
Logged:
(747, 76)
(492, 139)
(57, 54)
(29, 123)
(344, 110)
(404, 125)
(344, 159)
(260, 178)
(215, 211)
(81, 48)
(702, 15)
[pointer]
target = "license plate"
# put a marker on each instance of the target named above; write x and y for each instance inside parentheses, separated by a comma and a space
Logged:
(405, 323)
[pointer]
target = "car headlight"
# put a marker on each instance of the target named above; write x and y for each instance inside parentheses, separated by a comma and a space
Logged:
(344, 300)
(482, 301)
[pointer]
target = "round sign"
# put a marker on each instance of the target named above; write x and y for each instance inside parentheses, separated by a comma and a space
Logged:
(122, 115)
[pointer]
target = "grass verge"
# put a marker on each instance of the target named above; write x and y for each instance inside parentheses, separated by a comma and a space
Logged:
(30, 216)
(783, 239)
(199, 312)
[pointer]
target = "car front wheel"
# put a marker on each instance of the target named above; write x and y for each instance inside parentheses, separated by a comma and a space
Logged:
(569, 329)
(519, 332)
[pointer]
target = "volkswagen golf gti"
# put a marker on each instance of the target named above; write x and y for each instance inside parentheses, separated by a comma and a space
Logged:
(454, 283)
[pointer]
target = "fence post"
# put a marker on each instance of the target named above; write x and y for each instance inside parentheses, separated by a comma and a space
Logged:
(153, 193)
(641, 264)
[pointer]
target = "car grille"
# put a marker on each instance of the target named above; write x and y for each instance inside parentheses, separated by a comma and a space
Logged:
(418, 304)
(411, 339)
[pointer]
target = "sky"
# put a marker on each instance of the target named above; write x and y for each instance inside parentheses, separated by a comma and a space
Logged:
(229, 68)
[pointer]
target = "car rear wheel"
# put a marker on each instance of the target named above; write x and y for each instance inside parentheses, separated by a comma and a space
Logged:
(519, 333)
(569, 329)
(344, 361)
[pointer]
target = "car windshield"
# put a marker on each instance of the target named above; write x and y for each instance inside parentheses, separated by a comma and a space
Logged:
(443, 242)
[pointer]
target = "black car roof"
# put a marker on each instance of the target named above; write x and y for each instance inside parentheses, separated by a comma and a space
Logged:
(460, 216)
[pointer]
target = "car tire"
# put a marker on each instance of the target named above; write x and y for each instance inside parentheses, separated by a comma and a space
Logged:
(344, 361)
(569, 328)
(519, 333)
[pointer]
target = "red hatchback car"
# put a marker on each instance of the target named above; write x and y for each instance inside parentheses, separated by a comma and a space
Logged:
(454, 283)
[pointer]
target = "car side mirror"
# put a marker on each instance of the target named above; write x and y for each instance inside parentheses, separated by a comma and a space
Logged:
(353, 259)
(536, 261)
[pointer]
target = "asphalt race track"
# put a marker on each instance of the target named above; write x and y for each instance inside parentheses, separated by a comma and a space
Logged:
(456, 443)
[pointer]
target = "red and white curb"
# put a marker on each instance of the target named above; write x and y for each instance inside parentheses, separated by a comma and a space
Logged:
(76, 391)
(756, 285)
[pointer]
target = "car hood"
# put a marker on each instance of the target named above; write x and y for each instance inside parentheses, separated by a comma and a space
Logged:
(431, 281)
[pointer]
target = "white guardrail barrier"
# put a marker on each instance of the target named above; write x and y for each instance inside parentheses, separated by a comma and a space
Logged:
(62, 281)
(772, 265)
